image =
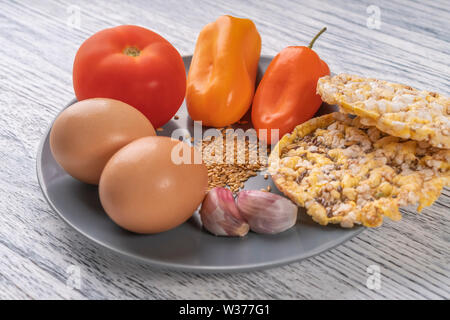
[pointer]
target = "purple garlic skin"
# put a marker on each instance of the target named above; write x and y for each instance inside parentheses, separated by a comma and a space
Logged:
(220, 215)
(266, 212)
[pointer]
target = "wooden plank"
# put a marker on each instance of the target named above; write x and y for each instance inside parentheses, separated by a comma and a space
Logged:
(37, 250)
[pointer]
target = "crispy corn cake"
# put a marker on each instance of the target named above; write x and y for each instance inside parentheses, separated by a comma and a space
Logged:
(348, 173)
(393, 108)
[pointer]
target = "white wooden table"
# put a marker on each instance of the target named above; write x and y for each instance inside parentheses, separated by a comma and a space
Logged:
(41, 257)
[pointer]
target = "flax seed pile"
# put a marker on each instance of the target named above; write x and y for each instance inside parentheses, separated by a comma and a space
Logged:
(234, 170)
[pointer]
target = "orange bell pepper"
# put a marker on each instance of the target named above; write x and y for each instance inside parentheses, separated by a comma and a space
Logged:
(286, 95)
(221, 79)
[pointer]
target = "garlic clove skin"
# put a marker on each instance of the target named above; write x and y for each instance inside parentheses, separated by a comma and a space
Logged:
(220, 215)
(266, 212)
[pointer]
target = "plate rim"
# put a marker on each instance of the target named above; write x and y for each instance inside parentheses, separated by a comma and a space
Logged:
(169, 265)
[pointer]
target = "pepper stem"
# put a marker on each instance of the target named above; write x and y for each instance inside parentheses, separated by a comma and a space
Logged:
(316, 36)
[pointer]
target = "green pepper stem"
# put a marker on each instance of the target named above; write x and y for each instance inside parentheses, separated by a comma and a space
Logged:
(317, 35)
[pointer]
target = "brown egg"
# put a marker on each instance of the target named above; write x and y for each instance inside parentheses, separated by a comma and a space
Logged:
(145, 189)
(86, 134)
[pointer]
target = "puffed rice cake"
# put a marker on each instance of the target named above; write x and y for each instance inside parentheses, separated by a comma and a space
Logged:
(393, 108)
(347, 173)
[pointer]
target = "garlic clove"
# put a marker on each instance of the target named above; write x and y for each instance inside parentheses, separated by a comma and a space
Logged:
(220, 215)
(266, 212)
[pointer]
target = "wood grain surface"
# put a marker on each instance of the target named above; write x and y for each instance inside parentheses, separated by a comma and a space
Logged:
(41, 257)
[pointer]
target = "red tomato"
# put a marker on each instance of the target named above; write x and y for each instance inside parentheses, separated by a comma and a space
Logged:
(134, 65)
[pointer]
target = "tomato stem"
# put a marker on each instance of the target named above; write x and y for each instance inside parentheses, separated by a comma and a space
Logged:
(317, 35)
(132, 51)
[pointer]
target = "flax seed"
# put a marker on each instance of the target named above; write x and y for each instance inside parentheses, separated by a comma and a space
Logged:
(232, 175)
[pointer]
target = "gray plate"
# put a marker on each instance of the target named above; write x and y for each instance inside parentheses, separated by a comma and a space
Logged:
(187, 247)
